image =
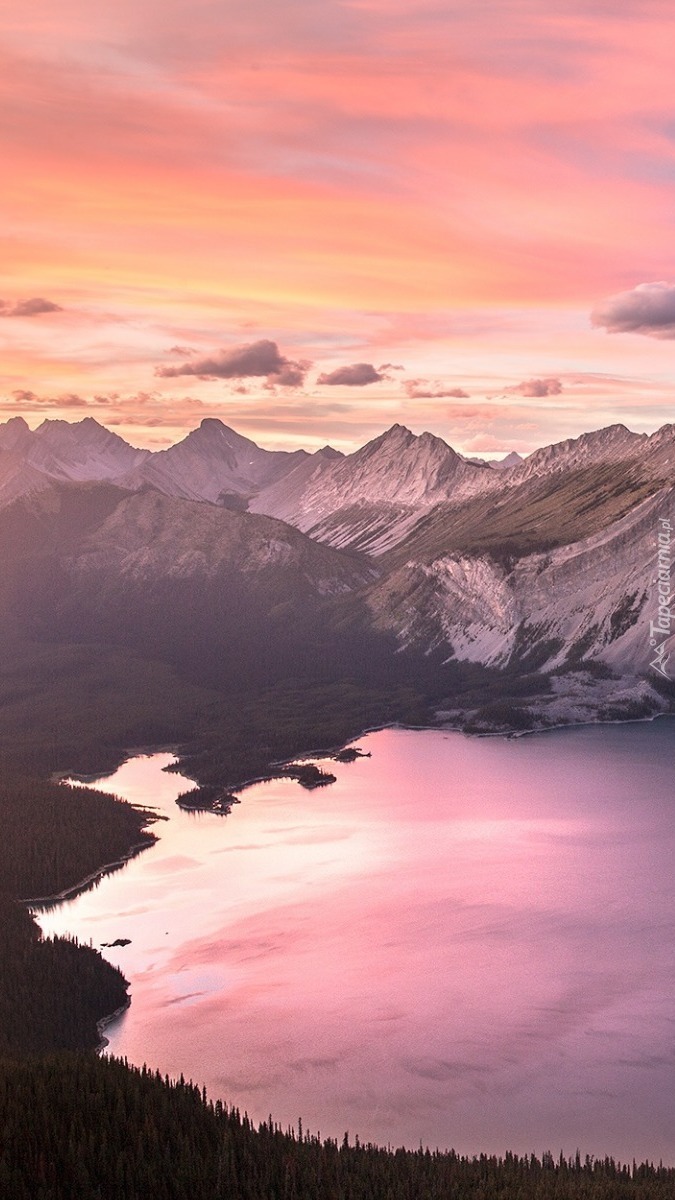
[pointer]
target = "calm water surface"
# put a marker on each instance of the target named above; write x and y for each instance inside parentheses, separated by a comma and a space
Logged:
(465, 942)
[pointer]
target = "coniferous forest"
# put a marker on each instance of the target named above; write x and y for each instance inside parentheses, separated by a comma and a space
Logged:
(79, 1127)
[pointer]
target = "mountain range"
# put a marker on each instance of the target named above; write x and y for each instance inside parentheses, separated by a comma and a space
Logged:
(223, 556)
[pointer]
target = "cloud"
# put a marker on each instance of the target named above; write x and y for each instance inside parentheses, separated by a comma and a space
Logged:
(422, 389)
(356, 375)
(291, 375)
(255, 360)
(29, 308)
(536, 387)
(71, 400)
(23, 396)
(648, 309)
(143, 409)
(34, 402)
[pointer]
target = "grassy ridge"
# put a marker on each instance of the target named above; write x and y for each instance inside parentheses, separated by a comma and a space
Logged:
(535, 517)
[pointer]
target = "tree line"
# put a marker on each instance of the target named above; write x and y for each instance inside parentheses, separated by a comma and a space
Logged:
(97, 1129)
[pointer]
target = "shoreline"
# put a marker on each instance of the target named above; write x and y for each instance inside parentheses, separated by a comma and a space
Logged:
(560, 727)
(70, 893)
(75, 889)
(269, 776)
(508, 734)
(103, 1023)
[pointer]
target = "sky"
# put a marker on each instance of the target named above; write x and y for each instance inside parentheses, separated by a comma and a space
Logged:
(315, 220)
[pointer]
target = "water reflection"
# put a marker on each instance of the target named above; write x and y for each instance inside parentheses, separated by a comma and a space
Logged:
(467, 942)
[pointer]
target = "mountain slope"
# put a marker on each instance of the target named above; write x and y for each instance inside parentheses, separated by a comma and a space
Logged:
(60, 450)
(614, 443)
(81, 451)
(540, 513)
(213, 463)
(223, 595)
(586, 606)
(371, 498)
(549, 564)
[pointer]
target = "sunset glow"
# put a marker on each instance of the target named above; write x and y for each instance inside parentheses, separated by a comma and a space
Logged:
(466, 198)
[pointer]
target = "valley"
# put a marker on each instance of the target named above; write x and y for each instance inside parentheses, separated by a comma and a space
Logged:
(139, 608)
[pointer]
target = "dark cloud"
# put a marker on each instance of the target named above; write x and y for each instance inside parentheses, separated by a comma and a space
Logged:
(422, 389)
(648, 309)
(28, 308)
(536, 387)
(291, 375)
(257, 359)
(356, 375)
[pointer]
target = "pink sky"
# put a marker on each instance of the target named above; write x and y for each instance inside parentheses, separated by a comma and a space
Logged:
(440, 192)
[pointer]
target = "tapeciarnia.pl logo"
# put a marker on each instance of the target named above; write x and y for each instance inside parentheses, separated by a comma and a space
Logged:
(659, 630)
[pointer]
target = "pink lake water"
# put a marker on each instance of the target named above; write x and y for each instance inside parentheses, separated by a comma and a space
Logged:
(463, 942)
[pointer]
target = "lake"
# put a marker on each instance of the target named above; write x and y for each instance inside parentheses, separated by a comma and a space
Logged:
(462, 942)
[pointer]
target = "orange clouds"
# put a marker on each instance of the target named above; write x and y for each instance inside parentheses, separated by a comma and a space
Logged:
(450, 185)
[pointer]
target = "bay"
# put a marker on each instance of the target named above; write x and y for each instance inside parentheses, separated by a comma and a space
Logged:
(462, 942)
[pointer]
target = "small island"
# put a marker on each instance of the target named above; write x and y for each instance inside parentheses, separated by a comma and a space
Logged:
(350, 754)
(208, 798)
(308, 775)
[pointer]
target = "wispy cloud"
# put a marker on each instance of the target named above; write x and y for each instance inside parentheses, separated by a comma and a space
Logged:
(536, 387)
(422, 389)
(29, 401)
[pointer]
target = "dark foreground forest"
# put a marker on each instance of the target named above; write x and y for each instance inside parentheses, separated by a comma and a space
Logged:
(78, 1128)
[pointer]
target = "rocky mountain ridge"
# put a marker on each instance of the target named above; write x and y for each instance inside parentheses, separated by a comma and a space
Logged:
(548, 566)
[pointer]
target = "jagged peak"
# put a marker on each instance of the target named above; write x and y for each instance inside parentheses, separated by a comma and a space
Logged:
(665, 433)
(395, 433)
(71, 432)
(15, 435)
(610, 437)
(214, 427)
(61, 423)
(399, 437)
(512, 459)
(212, 432)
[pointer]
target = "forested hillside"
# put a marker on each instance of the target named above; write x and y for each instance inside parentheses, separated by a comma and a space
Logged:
(52, 991)
(75, 1127)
